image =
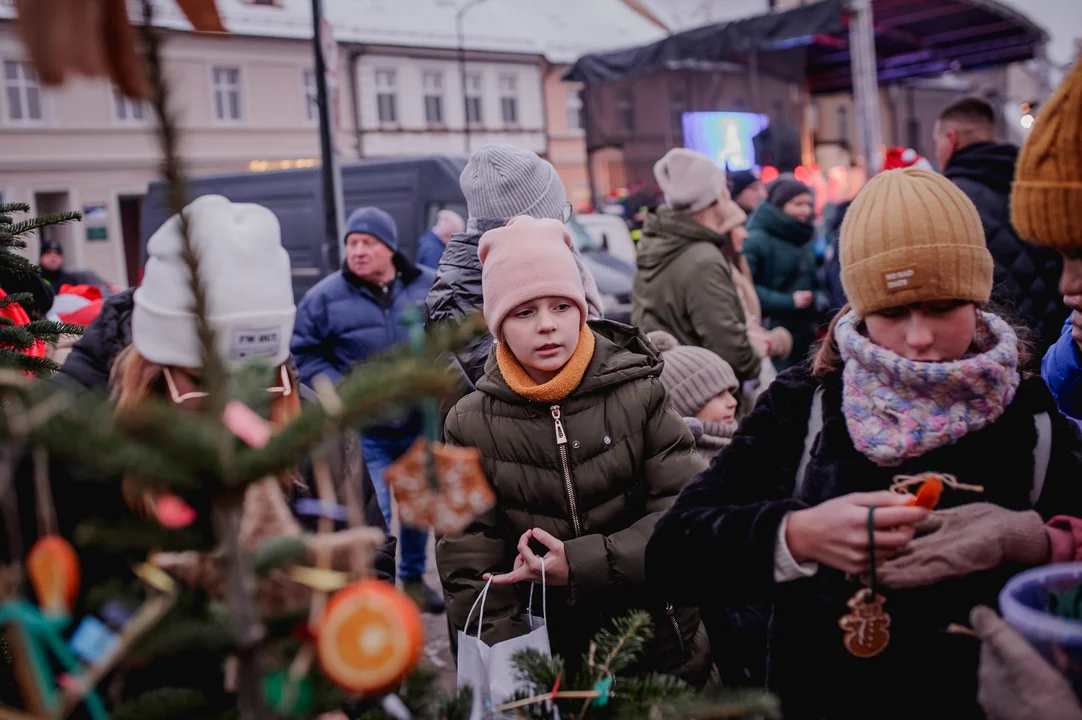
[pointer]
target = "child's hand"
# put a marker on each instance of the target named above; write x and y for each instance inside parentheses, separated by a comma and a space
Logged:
(528, 565)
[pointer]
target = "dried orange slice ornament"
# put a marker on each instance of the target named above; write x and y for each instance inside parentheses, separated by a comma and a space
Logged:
(370, 636)
(53, 569)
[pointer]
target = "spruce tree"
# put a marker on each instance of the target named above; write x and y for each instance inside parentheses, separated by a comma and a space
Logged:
(21, 344)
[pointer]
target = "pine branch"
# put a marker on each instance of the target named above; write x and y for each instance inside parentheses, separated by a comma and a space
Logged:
(51, 331)
(10, 242)
(15, 298)
(164, 704)
(537, 671)
(191, 441)
(13, 360)
(12, 208)
(16, 336)
(720, 705)
(383, 384)
(18, 264)
(50, 220)
(624, 646)
(183, 634)
(137, 534)
(82, 429)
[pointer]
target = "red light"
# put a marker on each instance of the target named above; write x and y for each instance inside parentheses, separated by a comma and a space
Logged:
(770, 174)
(801, 174)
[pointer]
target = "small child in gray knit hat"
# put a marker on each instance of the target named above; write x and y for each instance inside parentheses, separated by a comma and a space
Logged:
(701, 389)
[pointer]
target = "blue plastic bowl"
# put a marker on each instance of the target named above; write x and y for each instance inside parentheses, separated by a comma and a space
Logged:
(1022, 603)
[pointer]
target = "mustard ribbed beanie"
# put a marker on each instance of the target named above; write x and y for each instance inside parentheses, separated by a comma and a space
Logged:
(912, 236)
(1046, 198)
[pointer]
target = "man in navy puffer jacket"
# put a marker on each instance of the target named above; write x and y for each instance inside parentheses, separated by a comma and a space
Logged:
(350, 316)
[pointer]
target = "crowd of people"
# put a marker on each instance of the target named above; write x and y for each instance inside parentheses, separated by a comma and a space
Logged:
(668, 466)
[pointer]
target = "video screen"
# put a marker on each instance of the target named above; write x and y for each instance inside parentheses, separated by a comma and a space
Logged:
(724, 136)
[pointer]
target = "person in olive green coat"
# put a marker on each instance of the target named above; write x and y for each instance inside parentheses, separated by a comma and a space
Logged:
(684, 282)
(782, 262)
(583, 454)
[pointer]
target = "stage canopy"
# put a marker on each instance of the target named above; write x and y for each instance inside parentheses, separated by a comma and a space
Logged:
(913, 39)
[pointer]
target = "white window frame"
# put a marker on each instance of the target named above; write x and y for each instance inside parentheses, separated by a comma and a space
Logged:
(509, 97)
(118, 101)
(576, 116)
(24, 84)
(310, 97)
(389, 89)
(434, 90)
(238, 88)
(475, 95)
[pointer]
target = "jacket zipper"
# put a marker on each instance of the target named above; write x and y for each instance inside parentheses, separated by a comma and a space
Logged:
(671, 612)
(561, 443)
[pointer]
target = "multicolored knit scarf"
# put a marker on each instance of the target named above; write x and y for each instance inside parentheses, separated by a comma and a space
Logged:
(898, 409)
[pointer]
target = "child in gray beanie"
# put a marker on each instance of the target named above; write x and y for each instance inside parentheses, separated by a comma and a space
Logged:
(500, 182)
(702, 389)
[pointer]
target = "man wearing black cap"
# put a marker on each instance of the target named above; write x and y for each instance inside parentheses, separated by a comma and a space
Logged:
(747, 190)
(54, 272)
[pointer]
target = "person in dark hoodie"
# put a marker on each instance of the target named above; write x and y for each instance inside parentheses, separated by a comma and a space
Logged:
(782, 262)
(346, 318)
(1026, 275)
(500, 182)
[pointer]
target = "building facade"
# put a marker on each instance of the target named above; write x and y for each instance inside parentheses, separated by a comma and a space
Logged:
(247, 102)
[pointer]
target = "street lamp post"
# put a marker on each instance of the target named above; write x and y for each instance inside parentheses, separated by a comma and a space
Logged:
(459, 16)
(332, 194)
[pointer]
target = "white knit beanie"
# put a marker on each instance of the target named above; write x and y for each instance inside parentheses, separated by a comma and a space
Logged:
(248, 281)
(690, 180)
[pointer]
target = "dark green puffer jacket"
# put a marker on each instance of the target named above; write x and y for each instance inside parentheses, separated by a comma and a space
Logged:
(628, 456)
(684, 286)
(782, 260)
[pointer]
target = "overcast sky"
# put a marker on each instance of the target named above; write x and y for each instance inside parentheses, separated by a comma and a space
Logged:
(1061, 18)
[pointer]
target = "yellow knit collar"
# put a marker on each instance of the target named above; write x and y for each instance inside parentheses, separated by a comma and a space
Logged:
(559, 387)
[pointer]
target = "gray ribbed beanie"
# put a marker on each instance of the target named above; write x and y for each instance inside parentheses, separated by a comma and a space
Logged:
(693, 376)
(502, 181)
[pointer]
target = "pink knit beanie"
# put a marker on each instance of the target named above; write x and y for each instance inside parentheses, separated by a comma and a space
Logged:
(525, 260)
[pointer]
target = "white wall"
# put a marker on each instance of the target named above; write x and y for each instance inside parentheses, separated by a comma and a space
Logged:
(412, 136)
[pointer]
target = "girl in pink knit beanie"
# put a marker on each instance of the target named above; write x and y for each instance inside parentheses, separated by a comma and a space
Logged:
(583, 454)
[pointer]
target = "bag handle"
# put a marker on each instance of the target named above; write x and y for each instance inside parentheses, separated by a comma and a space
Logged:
(481, 617)
(544, 598)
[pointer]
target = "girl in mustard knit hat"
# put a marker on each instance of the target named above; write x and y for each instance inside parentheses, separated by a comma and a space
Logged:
(798, 511)
(583, 454)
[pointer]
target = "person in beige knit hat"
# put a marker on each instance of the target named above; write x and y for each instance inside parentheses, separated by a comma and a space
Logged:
(915, 377)
(684, 283)
(702, 390)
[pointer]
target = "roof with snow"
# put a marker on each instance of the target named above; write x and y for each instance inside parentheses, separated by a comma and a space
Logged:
(560, 30)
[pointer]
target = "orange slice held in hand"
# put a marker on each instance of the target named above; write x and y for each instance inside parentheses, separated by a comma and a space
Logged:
(53, 569)
(370, 636)
(929, 494)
